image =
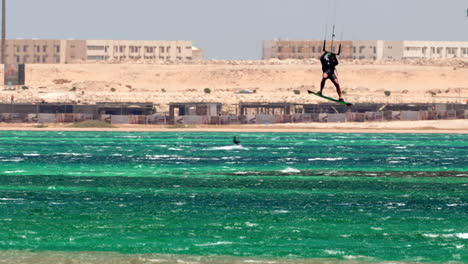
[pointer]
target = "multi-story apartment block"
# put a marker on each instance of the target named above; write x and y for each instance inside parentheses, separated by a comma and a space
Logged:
(367, 49)
(301, 49)
(71, 51)
(120, 50)
(382, 49)
(43, 51)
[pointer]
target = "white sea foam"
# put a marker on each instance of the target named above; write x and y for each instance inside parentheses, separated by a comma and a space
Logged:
(214, 244)
(333, 252)
(459, 235)
(73, 154)
(290, 170)
(326, 159)
(156, 157)
(31, 154)
(13, 160)
(15, 171)
(280, 211)
(233, 147)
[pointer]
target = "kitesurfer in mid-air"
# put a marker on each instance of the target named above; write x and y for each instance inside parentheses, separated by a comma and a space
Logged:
(329, 61)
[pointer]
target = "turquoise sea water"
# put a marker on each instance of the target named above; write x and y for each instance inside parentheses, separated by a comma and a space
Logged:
(92, 197)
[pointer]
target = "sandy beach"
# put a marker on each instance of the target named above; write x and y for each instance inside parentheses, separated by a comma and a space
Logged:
(429, 126)
(232, 82)
(438, 81)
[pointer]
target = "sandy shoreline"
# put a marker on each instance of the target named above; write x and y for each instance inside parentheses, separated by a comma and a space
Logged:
(458, 126)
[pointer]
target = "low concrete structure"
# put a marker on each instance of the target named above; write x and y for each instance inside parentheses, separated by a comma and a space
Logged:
(210, 113)
(194, 109)
(267, 108)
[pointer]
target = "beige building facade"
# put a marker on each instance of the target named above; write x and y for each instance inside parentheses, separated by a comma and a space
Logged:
(124, 50)
(367, 49)
(384, 49)
(79, 51)
(435, 49)
(301, 49)
(44, 51)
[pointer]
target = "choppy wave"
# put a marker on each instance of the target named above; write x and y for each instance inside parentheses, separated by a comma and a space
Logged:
(233, 147)
(290, 170)
(279, 198)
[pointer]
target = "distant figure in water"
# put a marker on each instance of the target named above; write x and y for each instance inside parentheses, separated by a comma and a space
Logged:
(235, 140)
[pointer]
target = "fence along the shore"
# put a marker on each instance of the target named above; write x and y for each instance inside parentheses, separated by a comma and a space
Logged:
(138, 113)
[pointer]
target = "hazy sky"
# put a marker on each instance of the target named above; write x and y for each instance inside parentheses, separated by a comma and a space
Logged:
(235, 29)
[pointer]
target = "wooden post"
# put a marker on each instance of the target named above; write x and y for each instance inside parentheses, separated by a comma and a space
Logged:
(3, 30)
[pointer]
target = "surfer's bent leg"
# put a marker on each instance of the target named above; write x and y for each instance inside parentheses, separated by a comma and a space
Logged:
(322, 84)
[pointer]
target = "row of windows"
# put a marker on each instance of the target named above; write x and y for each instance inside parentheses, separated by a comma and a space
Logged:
(300, 49)
(97, 48)
(362, 48)
(34, 59)
(318, 49)
(36, 48)
(100, 58)
(438, 50)
(137, 49)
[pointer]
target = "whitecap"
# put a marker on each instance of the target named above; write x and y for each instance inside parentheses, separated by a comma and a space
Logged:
(333, 252)
(233, 147)
(325, 159)
(73, 154)
(214, 244)
(15, 171)
(155, 157)
(13, 159)
(462, 235)
(290, 170)
(280, 211)
(31, 154)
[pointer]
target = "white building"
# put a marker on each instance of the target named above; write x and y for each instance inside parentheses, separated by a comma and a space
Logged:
(124, 50)
(406, 49)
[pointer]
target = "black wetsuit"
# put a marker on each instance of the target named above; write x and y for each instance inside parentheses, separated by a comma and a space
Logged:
(329, 62)
(236, 141)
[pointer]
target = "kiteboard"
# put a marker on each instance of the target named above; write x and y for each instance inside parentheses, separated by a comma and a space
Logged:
(329, 98)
